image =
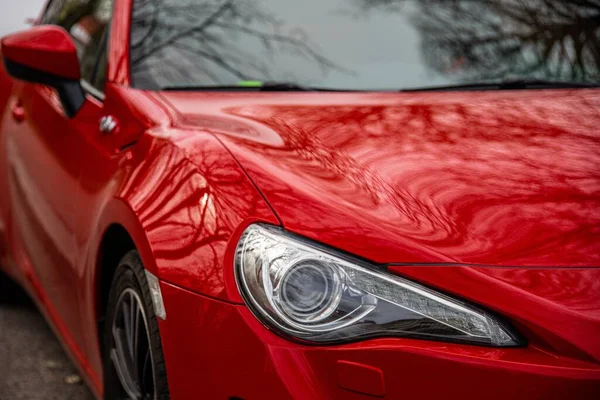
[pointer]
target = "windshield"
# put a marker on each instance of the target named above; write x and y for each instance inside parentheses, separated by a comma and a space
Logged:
(362, 44)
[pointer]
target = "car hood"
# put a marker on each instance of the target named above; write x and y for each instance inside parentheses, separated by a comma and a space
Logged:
(507, 178)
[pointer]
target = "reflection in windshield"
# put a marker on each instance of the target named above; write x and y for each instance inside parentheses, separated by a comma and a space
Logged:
(498, 40)
(363, 44)
(177, 43)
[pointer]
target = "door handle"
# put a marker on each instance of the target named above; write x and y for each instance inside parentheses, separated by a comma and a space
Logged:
(18, 112)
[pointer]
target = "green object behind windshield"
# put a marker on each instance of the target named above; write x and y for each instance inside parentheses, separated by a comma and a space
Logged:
(250, 83)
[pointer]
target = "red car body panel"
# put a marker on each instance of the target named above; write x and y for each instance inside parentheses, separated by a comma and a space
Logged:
(262, 365)
(491, 196)
(569, 321)
(493, 178)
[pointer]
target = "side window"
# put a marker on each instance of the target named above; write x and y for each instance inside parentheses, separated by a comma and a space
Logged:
(88, 23)
(101, 67)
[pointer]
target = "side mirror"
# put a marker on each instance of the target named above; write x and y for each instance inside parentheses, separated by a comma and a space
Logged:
(46, 54)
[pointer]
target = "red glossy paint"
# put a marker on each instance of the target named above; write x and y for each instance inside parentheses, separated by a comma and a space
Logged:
(493, 197)
(361, 378)
(47, 48)
(262, 365)
(496, 178)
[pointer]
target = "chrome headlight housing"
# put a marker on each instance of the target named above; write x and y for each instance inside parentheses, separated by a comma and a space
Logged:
(307, 292)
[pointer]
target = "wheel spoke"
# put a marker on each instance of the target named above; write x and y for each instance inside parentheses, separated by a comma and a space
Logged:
(123, 372)
(128, 308)
(132, 328)
(136, 338)
(147, 370)
(130, 354)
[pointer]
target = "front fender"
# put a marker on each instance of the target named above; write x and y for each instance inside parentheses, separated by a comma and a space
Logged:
(184, 201)
(184, 204)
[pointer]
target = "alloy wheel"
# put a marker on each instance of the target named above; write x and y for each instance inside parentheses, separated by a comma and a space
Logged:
(130, 353)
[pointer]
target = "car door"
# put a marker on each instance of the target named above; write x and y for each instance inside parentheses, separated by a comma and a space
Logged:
(44, 165)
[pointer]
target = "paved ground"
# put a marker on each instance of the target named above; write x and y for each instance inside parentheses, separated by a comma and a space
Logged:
(33, 365)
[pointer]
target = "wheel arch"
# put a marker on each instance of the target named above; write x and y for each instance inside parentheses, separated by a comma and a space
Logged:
(115, 243)
(119, 232)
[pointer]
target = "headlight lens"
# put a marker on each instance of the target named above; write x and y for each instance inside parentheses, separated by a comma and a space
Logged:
(309, 293)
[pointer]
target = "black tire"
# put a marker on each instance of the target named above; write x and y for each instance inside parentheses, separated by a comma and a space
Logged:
(129, 291)
(10, 292)
(5, 287)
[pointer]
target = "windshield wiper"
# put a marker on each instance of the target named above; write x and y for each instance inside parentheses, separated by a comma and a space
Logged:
(251, 86)
(511, 84)
(258, 86)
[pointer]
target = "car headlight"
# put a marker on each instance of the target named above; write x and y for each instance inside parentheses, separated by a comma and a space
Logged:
(307, 292)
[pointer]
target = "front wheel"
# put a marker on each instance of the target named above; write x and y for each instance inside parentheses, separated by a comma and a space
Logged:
(133, 358)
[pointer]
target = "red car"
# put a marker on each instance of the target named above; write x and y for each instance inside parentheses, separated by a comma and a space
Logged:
(332, 199)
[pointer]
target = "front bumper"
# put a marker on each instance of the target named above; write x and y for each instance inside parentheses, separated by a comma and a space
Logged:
(217, 350)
